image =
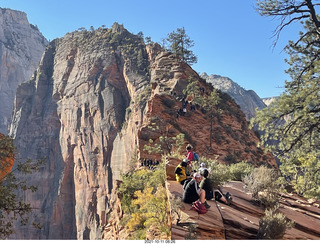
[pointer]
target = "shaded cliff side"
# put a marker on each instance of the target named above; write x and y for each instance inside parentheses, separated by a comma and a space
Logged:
(21, 48)
(88, 109)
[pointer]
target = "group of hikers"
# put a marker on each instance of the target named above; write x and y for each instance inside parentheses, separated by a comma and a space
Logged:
(184, 104)
(149, 163)
(197, 185)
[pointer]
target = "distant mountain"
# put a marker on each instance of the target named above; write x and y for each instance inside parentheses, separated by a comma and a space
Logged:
(268, 100)
(21, 47)
(248, 100)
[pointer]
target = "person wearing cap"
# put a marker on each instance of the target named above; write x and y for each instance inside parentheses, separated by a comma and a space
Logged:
(202, 167)
(193, 192)
(180, 171)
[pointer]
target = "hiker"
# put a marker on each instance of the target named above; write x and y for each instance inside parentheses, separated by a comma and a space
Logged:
(202, 166)
(192, 191)
(180, 171)
(191, 155)
(189, 152)
(219, 196)
(206, 184)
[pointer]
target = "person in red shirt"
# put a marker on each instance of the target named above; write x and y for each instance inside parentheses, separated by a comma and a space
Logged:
(189, 152)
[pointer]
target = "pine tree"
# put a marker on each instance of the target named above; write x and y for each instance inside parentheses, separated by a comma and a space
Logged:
(180, 44)
(293, 120)
(13, 207)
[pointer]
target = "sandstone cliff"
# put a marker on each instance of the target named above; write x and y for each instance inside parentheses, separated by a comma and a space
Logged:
(87, 111)
(72, 112)
(247, 100)
(21, 47)
(240, 220)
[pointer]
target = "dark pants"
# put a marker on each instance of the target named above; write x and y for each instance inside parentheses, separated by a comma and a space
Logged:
(209, 195)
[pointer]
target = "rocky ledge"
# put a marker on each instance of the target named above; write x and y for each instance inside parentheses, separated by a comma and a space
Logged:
(240, 220)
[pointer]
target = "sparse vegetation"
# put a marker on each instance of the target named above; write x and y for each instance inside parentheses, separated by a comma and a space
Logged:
(144, 96)
(239, 170)
(145, 203)
(165, 144)
(264, 185)
(273, 225)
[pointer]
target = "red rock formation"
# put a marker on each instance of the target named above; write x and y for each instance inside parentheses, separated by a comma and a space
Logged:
(240, 220)
(231, 130)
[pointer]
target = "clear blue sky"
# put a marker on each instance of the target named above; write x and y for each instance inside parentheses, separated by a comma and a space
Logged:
(231, 38)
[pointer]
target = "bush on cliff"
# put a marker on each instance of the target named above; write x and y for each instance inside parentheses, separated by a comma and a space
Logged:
(144, 203)
(263, 183)
(273, 225)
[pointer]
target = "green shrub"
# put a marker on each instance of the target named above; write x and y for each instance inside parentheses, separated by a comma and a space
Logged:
(144, 202)
(262, 182)
(239, 170)
(219, 173)
(273, 225)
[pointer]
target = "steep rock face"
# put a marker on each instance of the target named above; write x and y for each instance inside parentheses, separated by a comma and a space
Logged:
(87, 110)
(72, 112)
(247, 100)
(21, 47)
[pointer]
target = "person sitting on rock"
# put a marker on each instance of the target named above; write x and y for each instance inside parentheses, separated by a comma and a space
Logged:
(219, 196)
(202, 167)
(206, 184)
(193, 192)
(180, 171)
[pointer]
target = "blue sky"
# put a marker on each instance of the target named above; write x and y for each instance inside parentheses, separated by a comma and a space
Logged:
(231, 38)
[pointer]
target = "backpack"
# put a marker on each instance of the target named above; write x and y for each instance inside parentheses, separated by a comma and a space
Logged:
(195, 156)
(199, 207)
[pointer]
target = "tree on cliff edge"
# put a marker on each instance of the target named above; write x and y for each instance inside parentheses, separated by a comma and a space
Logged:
(294, 119)
(180, 44)
(13, 207)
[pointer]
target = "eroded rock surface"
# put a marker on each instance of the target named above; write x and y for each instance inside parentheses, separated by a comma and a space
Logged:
(240, 220)
(21, 48)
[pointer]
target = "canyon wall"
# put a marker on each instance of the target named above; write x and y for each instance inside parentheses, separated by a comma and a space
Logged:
(72, 113)
(88, 110)
(21, 48)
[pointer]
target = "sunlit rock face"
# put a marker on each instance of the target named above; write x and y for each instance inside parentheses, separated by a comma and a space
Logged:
(72, 113)
(88, 110)
(21, 48)
(248, 100)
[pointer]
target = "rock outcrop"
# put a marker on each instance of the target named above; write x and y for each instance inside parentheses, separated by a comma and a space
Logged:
(267, 101)
(248, 100)
(88, 110)
(240, 220)
(21, 48)
(72, 112)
